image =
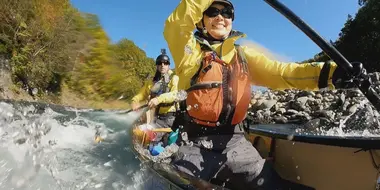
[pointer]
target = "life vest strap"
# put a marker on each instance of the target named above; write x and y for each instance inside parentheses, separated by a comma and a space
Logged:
(204, 86)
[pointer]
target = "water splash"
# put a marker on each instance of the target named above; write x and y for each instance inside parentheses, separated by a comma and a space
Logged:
(48, 147)
(181, 95)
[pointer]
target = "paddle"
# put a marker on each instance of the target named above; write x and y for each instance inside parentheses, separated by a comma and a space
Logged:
(166, 130)
(130, 110)
(364, 84)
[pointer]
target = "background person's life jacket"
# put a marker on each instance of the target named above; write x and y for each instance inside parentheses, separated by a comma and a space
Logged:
(220, 93)
(159, 87)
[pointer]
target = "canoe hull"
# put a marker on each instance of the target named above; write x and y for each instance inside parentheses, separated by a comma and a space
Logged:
(320, 166)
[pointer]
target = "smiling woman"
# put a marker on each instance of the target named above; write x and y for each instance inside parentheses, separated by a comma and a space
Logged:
(217, 74)
(218, 20)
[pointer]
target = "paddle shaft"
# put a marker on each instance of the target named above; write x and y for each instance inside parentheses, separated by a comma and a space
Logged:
(130, 110)
(166, 130)
(363, 84)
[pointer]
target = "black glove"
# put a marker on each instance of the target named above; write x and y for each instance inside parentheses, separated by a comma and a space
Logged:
(342, 80)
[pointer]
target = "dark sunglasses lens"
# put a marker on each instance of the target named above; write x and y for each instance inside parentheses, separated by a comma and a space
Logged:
(212, 12)
(227, 13)
(165, 63)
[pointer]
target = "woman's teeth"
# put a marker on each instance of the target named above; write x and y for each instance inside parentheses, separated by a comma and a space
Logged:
(218, 26)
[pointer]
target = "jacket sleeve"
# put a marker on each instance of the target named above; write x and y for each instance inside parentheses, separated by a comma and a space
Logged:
(143, 94)
(282, 75)
(171, 96)
(179, 27)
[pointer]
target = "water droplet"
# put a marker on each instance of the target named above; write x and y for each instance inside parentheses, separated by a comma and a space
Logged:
(260, 181)
(98, 185)
(34, 91)
(184, 136)
(234, 154)
(181, 95)
(108, 164)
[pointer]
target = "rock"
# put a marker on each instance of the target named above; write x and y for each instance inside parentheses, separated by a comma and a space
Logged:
(374, 76)
(365, 118)
(290, 112)
(305, 93)
(256, 96)
(327, 99)
(318, 96)
(266, 113)
(341, 99)
(281, 92)
(289, 97)
(302, 100)
(316, 123)
(325, 113)
(325, 108)
(253, 102)
(281, 111)
(345, 105)
(353, 109)
(280, 119)
(267, 104)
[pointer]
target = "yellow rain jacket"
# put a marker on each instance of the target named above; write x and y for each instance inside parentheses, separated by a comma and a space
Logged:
(144, 94)
(186, 52)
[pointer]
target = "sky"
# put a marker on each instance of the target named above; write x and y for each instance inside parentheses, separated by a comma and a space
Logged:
(266, 29)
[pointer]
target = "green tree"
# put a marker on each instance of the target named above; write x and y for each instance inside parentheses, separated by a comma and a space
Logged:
(359, 39)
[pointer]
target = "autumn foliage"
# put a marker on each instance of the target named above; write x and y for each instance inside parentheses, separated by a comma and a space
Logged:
(50, 43)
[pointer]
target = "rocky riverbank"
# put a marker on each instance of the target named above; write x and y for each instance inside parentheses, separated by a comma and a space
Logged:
(349, 109)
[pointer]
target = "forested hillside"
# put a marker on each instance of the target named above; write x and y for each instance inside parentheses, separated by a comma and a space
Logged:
(50, 44)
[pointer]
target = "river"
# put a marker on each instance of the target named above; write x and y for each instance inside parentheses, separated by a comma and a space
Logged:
(47, 147)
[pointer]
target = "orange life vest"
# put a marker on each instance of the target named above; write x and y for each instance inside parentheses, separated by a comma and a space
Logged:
(219, 93)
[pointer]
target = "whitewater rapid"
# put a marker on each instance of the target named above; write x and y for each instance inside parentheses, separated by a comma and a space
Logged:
(52, 147)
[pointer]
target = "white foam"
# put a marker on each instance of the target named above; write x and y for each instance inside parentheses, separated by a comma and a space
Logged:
(56, 155)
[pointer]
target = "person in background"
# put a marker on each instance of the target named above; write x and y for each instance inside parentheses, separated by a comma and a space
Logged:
(156, 92)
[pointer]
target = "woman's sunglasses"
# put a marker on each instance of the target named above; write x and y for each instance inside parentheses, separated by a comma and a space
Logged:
(164, 62)
(213, 12)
